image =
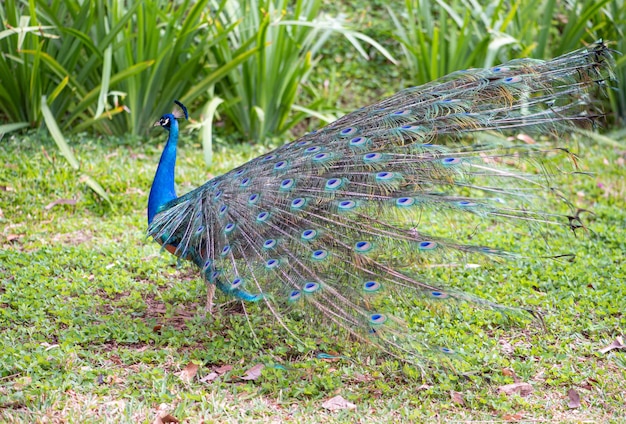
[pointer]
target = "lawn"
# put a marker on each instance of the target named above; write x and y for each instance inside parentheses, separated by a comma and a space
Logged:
(98, 325)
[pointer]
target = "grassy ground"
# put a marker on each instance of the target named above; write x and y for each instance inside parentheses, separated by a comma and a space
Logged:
(99, 326)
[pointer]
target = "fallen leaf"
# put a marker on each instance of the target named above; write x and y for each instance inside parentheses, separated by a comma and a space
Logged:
(457, 398)
(513, 417)
(13, 237)
(574, 399)
(254, 372)
(164, 419)
(618, 343)
(189, 372)
(157, 329)
(209, 377)
(6, 188)
(216, 373)
(223, 369)
(523, 389)
(169, 419)
(509, 372)
(60, 202)
(337, 403)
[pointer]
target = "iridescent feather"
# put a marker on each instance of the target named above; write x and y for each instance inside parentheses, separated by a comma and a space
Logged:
(340, 221)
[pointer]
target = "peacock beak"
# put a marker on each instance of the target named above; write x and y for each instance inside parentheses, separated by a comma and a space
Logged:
(157, 124)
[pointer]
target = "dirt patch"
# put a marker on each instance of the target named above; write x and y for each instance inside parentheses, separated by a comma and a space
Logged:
(74, 238)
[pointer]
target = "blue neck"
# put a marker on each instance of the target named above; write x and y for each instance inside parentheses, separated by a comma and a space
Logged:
(162, 190)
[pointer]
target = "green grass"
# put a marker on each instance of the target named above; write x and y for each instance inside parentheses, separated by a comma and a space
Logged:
(82, 291)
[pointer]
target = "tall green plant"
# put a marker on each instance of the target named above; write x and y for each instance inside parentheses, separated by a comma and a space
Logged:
(443, 36)
(62, 62)
(260, 95)
(109, 66)
(21, 87)
(175, 36)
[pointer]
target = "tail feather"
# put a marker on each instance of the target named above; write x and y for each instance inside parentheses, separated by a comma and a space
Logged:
(339, 221)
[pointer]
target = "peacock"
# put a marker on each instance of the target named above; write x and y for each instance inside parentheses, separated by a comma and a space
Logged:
(338, 225)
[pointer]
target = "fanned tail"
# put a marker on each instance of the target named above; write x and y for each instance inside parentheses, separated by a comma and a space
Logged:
(339, 223)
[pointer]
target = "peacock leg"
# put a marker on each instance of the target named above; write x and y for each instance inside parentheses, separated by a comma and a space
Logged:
(210, 292)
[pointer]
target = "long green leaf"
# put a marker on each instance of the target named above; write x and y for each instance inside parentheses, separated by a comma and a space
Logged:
(207, 129)
(216, 75)
(96, 187)
(89, 98)
(7, 128)
(106, 81)
(56, 134)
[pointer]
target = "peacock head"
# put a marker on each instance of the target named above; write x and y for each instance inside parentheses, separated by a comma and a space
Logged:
(166, 120)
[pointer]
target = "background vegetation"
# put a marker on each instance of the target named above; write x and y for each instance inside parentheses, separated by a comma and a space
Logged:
(98, 326)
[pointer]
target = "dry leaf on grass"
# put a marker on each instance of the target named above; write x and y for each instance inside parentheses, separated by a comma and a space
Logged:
(216, 373)
(209, 377)
(574, 399)
(189, 372)
(337, 403)
(618, 343)
(509, 372)
(223, 369)
(513, 417)
(163, 416)
(254, 372)
(522, 389)
(13, 237)
(457, 398)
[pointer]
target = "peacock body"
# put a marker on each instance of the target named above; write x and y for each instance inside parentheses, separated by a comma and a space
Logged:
(337, 224)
